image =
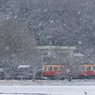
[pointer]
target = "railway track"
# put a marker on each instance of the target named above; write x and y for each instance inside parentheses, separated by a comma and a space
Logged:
(48, 82)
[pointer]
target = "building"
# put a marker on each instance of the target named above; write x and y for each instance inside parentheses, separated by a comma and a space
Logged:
(51, 51)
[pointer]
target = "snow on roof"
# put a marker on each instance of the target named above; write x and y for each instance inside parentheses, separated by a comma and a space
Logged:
(23, 66)
(1, 70)
(78, 54)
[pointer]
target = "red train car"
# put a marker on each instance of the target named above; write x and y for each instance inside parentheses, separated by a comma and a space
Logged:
(53, 71)
(64, 71)
(86, 71)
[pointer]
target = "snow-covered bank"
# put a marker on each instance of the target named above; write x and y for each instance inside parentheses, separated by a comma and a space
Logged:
(47, 87)
(51, 90)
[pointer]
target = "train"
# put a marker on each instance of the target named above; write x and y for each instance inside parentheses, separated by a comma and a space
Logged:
(69, 71)
(51, 72)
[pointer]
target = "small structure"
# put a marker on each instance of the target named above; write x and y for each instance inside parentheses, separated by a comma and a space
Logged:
(23, 66)
(23, 72)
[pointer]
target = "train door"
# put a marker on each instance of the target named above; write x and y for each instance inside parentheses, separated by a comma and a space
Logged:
(89, 71)
(49, 68)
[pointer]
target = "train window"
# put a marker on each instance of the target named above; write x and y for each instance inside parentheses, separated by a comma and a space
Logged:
(45, 68)
(82, 68)
(49, 68)
(61, 68)
(93, 68)
(55, 68)
(88, 68)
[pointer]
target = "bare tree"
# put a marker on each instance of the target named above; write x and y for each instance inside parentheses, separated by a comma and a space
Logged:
(15, 38)
(15, 42)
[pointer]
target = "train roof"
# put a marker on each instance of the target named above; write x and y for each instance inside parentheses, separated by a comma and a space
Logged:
(72, 64)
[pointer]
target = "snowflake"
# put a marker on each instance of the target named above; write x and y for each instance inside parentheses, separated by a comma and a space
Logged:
(79, 42)
(10, 13)
(15, 17)
(7, 17)
(51, 21)
(45, 10)
(7, 48)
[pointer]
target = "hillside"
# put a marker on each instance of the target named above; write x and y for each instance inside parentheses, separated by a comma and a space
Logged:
(56, 22)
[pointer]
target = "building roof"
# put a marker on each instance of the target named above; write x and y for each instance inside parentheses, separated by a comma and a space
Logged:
(56, 47)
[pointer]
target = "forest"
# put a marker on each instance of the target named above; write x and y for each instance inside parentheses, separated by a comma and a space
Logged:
(47, 23)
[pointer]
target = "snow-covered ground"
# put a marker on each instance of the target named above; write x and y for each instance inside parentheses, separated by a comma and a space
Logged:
(47, 87)
(49, 90)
